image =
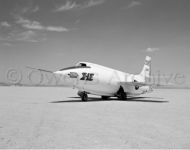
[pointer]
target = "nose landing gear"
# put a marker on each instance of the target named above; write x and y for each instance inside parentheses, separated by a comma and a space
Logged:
(83, 95)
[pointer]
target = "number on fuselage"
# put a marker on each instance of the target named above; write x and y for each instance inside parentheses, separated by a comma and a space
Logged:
(87, 76)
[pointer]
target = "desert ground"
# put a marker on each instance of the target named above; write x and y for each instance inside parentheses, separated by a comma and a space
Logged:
(36, 117)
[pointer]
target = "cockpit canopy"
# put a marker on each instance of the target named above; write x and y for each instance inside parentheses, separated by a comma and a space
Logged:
(78, 65)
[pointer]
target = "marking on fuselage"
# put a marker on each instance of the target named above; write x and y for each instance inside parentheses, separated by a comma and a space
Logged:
(87, 76)
(73, 75)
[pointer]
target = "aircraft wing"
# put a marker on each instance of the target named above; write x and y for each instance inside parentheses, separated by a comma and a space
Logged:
(140, 84)
(43, 70)
(56, 82)
(47, 81)
(29, 85)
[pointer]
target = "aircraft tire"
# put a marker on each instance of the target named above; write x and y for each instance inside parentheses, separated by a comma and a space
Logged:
(84, 97)
(121, 94)
(105, 97)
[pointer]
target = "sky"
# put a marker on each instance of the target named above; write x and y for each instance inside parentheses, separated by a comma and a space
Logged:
(54, 34)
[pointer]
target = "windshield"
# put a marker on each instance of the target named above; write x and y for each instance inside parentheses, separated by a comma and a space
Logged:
(74, 67)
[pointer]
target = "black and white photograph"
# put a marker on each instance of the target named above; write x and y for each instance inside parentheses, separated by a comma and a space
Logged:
(94, 74)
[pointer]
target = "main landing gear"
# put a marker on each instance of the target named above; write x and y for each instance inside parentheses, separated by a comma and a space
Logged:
(105, 97)
(83, 95)
(121, 94)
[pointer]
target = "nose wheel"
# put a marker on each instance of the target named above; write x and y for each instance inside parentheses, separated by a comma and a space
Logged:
(83, 95)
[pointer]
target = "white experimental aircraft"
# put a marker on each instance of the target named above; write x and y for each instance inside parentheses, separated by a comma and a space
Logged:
(90, 78)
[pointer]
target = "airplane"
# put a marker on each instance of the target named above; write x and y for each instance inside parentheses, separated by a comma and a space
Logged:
(91, 78)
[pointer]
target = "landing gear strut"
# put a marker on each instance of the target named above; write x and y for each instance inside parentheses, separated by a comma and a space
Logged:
(121, 94)
(83, 95)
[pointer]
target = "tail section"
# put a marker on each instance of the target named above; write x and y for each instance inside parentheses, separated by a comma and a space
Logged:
(143, 79)
(146, 71)
(145, 74)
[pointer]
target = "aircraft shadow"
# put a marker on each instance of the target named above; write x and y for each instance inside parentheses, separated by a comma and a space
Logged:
(130, 99)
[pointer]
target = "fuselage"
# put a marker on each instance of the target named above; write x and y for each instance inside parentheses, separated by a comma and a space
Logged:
(99, 80)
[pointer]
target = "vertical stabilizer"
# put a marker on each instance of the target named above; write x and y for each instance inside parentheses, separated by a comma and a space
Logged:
(146, 71)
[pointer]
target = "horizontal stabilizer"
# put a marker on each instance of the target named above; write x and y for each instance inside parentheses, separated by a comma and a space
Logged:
(136, 84)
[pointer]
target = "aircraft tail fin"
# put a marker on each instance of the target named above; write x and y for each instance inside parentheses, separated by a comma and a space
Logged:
(146, 71)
